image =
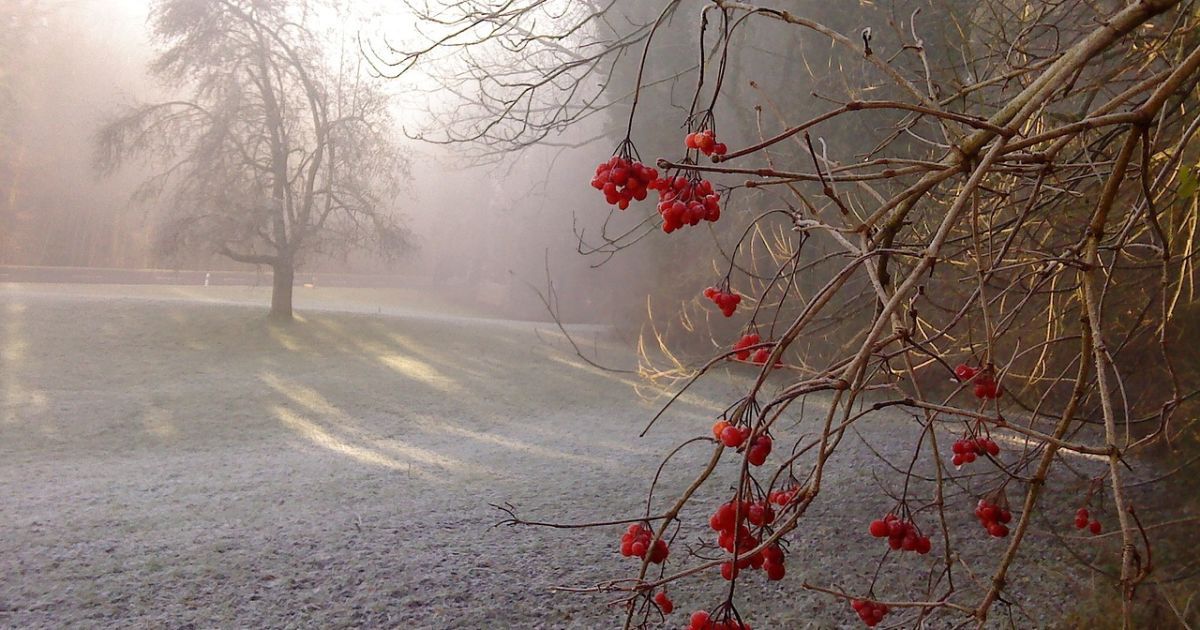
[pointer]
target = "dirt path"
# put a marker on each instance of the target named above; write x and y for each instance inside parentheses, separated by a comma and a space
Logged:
(175, 463)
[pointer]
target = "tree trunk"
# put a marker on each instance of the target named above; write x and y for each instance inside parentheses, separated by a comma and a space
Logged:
(283, 273)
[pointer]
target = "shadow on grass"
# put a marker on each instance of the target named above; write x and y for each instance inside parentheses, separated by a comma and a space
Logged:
(436, 398)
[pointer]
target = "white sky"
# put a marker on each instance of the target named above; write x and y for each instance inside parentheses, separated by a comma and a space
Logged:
(124, 23)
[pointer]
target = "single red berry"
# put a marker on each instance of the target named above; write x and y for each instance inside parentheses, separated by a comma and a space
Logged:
(760, 514)
(728, 570)
(878, 528)
(659, 552)
(1095, 527)
(775, 572)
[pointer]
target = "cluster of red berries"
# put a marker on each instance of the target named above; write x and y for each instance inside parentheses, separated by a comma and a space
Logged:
(733, 437)
(727, 301)
(773, 563)
(735, 537)
(730, 435)
(623, 180)
(986, 387)
(636, 542)
(727, 521)
(760, 356)
(742, 346)
(783, 497)
(682, 201)
(966, 450)
(759, 449)
(901, 534)
(1083, 519)
(664, 603)
(702, 621)
(870, 612)
(993, 518)
(706, 142)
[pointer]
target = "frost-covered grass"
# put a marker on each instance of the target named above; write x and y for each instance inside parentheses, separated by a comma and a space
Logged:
(168, 459)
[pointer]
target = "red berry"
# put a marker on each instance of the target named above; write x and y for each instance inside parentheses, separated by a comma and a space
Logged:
(659, 552)
(775, 572)
(729, 570)
(725, 300)
(732, 437)
(664, 602)
(1094, 527)
(745, 342)
(878, 528)
(760, 514)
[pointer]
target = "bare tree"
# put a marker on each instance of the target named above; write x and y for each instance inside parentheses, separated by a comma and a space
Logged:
(273, 155)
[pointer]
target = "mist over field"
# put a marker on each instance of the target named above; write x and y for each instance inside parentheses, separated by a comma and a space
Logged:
(699, 314)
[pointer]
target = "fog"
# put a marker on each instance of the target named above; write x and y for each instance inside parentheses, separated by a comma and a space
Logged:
(484, 231)
(301, 299)
(493, 221)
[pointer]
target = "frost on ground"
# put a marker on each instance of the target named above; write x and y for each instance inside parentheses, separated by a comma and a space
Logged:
(169, 460)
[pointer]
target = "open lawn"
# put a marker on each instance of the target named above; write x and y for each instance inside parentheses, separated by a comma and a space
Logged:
(170, 460)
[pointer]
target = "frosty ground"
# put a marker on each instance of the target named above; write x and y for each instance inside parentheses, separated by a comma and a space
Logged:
(170, 460)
